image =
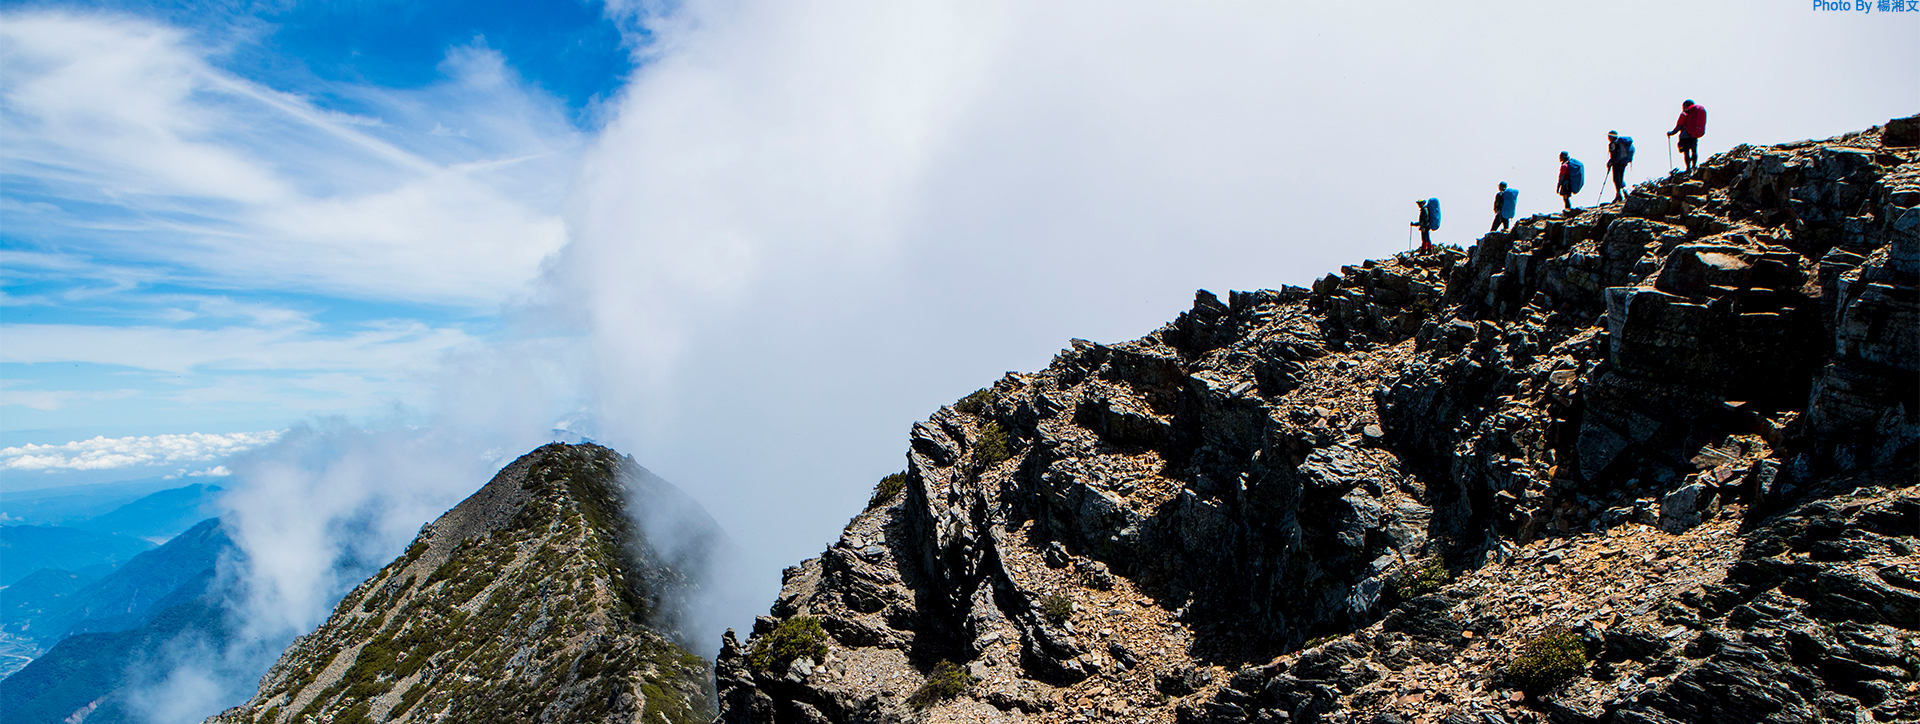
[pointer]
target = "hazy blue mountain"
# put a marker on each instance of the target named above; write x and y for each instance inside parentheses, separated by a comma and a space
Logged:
(88, 667)
(159, 516)
(126, 598)
(161, 601)
(69, 504)
(28, 548)
(42, 592)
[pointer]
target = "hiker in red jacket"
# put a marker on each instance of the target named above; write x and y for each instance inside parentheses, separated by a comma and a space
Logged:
(1691, 126)
(1573, 177)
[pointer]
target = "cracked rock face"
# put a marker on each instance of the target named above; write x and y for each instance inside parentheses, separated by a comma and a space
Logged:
(534, 600)
(1680, 429)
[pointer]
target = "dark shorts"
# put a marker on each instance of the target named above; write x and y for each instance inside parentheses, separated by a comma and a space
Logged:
(1688, 143)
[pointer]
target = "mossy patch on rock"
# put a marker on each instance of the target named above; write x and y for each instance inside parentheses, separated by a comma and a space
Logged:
(1548, 659)
(889, 487)
(946, 681)
(800, 636)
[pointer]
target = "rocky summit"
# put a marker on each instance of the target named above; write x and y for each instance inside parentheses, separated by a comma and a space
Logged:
(537, 599)
(1653, 461)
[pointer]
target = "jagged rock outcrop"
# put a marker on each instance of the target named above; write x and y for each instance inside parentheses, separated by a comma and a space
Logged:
(537, 599)
(1682, 427)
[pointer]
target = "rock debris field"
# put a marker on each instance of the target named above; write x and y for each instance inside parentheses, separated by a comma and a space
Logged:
(1651, 461)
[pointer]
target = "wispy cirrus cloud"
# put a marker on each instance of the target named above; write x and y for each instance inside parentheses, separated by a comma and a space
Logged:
(200, 244)
(125, 142)
(392, 346)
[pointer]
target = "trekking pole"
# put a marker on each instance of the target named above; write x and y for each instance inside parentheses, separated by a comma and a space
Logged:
(1669, 154)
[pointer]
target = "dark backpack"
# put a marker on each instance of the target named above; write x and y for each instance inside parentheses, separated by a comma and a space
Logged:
(1433, 213)
(1623, 150)
(1576, 176)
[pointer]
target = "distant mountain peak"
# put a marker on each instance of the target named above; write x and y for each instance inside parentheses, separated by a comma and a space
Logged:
(531, 600)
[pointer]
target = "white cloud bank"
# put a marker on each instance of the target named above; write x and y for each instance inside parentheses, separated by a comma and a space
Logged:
(104, 453)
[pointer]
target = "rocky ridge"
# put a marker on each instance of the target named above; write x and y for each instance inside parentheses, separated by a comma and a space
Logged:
(537, 599)
(1677, 432)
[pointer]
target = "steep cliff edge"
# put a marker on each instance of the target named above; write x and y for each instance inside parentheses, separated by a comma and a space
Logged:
(537, 599)
(1650, 461)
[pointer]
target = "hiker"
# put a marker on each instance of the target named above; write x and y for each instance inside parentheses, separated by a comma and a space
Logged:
(1503, 205)
(1619, 154)
(1429, 220)
(1573, 177)
(1691, 126)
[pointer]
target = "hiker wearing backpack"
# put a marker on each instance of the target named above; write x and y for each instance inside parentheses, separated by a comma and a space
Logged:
(1691, 126)
(1573, 177)
(1504, 203)
(1619, 154)
(1429, 220)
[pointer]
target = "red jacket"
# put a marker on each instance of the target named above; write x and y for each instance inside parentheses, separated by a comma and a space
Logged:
(1693, 121)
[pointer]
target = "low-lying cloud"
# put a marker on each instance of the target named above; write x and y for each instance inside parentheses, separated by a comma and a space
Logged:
(104, 453)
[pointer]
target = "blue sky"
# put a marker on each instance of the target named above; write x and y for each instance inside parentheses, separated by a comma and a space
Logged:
(222, 217)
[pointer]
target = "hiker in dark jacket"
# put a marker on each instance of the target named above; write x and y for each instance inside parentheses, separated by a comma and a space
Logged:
(1426, 224)
(1503, 206)
(1691, 126)
(1573, 176)
(1619, 154)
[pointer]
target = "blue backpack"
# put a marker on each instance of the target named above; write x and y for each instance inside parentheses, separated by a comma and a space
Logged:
(1576, 175)
(1623, 149)
(1433, 212)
